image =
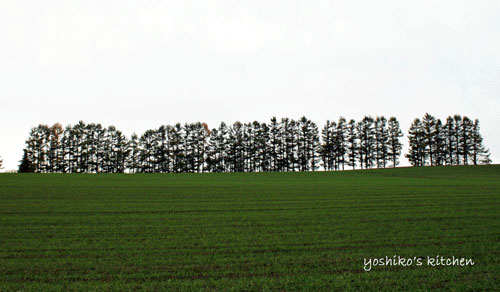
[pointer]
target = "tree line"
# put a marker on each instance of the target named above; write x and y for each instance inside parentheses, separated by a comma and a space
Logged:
(454, 142)
(279, 145)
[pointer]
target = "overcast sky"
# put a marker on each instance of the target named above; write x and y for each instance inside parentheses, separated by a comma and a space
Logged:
(140, 64)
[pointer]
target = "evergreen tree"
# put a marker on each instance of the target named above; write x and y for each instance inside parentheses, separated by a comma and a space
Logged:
(381, 142)
(66, 149)
(275, 144)
(54, 155)
(366, 135)
(313, 146)
(176, 148)
(25, 165)
(262, 148)
(203, 134)
(134, 159)
(161, 154)
(395, 145)
(352, 144)
(92, 147)
(429, 135)
(458, 126)
(147, 148)
(416, 139)
(439, 144)
(465, 139)
(111, 160)
(289, 135)
(222, 141)
(37, 146)
(189, 147)
(122, 152)
(450, 141)
(247, 147)
(479, 154)
(195, 136)
(327, 147)
(287, 145)
(235, 152)
(80, 154)
(212, 158)
(307, 146)
(257, 147)
(341, 135)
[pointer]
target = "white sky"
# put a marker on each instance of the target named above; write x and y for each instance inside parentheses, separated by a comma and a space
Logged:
(140, 64)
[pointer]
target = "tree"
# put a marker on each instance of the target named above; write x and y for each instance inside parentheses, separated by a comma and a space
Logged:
(162, 150)
(190, 142)
(341, 135)
(429, 135)
(133, 161)
(465, 139)
(176, 148)
(80, 148)
(122, 151)
(366, 136)
(456, 132)
(257, 146)
(66, 149)
(395, 145)
(275, 144)
(25, 165)
(416, 139)
(381, 141)
(36, 147)
(450, 155)
(222, 147)
(290, 144)
(439, 144)
(235, 151)
(307, 145)
(203, 134)
(287, 145)
(479, 154)
(213, 159)
(327, 147)
(352, 144)
(1, 162)
(147, 148)
(262, 148)
(54, 155)
(313, 146)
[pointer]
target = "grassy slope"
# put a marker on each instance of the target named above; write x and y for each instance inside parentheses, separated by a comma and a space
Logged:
(260, 231)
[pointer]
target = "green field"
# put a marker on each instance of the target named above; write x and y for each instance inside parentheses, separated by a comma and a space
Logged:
(250, 231)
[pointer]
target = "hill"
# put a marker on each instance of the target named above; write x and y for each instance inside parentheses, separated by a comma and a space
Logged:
(311, 231)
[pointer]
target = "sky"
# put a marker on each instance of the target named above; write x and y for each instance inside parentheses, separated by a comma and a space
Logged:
(141, 64)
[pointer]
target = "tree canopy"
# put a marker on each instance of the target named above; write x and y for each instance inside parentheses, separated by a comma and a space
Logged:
(280, 145)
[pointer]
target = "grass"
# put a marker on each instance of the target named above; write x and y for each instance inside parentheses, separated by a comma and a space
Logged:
(250, 231)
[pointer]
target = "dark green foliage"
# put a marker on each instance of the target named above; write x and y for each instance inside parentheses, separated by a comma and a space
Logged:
(416, 138)
(281, 145)
(394, 144)
(367, 142)
(352, 145)
(25, 165)
(132, 161)
(334, 149)
(457, 142)
(479, 154)
(381, 142)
